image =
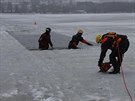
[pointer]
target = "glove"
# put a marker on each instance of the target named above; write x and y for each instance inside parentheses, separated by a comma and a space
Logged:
(89, 44)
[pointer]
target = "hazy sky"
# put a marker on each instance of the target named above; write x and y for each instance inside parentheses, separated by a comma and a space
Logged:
(105, 0)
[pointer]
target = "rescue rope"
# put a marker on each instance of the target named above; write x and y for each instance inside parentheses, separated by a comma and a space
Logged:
(123, 76)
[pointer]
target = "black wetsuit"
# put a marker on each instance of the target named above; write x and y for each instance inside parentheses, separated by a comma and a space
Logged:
(45, 41)
(75, 41)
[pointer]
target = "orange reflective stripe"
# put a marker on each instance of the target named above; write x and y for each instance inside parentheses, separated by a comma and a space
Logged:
(118, 41)
(115, 37)
(114, 44)
(112, 35)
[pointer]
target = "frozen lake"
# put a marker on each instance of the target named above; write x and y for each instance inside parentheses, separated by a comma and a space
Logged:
(62, 75)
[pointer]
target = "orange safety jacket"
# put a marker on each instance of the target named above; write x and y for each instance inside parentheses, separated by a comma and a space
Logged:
(114, 36)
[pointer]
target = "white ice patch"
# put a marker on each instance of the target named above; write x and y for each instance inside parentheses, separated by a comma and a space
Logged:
(43, 94)
(94, 98)
(9, 93)
(38, 94)
(51, 99)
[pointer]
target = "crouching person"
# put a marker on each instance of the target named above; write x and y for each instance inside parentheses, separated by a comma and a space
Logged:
(118, 44)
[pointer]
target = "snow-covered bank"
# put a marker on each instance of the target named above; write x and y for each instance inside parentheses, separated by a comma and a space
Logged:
(61, 75)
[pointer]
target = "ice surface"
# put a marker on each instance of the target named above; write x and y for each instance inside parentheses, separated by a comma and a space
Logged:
(62, 75)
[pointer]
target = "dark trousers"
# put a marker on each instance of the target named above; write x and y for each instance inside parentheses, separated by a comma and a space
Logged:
(71, 46)
(43, 47)
(116, 56)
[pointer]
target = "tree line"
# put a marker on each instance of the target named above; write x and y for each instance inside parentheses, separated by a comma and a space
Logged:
(78, 7)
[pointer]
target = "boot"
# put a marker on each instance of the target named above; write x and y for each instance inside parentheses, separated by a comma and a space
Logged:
(114, 72)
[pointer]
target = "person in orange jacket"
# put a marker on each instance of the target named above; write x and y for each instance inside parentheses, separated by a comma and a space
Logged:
(76, 39)
(118, 44)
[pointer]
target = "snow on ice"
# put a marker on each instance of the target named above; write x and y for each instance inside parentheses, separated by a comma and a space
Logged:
(62, 74)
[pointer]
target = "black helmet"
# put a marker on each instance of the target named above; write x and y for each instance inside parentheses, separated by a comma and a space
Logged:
(48, 29)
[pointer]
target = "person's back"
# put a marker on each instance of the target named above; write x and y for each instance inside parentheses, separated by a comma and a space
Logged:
(111, 41)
